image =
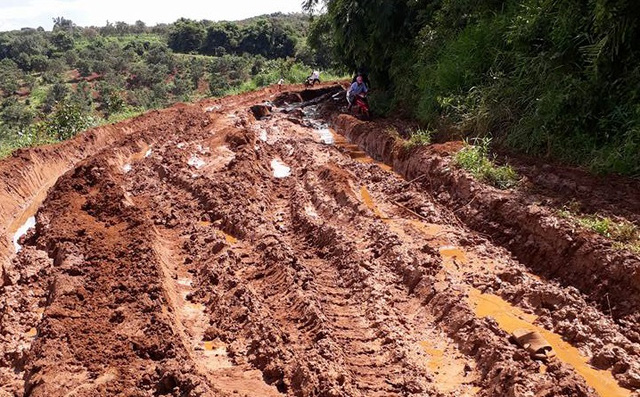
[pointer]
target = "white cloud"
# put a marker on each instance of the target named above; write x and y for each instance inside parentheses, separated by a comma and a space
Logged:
(33, 13)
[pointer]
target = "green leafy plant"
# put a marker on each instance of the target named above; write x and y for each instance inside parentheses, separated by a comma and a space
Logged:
(475, 159)
(418, 138)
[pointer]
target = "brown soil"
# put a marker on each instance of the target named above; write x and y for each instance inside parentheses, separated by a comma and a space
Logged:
(168, 259)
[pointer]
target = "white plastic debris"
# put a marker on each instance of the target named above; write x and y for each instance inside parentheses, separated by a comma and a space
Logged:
(263, 135)
(280, 169)
(196, 162)
(326, 136)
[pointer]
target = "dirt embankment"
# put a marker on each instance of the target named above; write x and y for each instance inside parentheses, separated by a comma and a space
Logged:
(206, 252)
(520, 221)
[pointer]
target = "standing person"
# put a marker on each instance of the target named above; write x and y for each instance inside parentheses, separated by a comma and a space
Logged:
(358, 88)
(280, 82)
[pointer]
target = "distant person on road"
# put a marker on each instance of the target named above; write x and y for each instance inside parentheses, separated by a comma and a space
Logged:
(315, 77)
(280, 82)
(358, 88)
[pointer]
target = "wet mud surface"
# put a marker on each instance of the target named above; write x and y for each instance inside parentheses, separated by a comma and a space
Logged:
(209, 253)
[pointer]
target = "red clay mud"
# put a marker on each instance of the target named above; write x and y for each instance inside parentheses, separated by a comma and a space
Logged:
(169, 259)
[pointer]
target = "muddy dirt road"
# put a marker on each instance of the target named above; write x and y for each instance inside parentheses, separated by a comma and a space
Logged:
(201, 251)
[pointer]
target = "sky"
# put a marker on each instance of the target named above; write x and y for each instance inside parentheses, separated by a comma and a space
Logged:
(16, 14)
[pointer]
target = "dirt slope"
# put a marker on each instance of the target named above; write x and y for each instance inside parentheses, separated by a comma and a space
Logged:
(200, 251)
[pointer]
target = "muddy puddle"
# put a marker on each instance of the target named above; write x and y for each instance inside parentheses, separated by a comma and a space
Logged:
(452, 256)
(450, 372)
(428, 229)
(231, 240)
(326, 136)
(23, 223)
(29, 224)
(355, 152)
(228, 238)
(145, 151)
(217, 355)
(32, 333)
(329, 136)
(510, 318)
(368, 201)
(196, 162)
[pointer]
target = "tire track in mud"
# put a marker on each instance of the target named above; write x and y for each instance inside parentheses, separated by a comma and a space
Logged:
(195, 271)
(25, 355)
(280, 290)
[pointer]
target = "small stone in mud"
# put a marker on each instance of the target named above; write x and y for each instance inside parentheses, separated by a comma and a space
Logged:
(211, 333)
(467, 368)
(414, 386)
(260, 111)
(519, 356)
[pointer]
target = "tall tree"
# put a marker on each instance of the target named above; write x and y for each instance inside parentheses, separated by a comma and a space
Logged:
(61, 23)
(186, 36)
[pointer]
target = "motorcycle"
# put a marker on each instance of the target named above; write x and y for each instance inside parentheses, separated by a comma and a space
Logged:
(362, 107)
(311, 81)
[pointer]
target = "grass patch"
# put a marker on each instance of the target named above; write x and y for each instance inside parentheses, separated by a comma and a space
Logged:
(475, 159)
(38, 95)
(625, 234)
(127, 113)
(29, 139)
(418, 138)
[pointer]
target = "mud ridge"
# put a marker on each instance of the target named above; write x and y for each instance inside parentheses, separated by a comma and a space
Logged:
(538, 238)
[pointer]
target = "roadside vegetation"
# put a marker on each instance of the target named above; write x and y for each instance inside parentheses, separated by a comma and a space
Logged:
(419, 137)
(623, 233)
(555, 79)
(474, 157)
(56, 83)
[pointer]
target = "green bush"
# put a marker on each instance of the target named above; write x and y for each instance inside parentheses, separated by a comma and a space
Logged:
(56, 93)
(66, 121)
(10, 76)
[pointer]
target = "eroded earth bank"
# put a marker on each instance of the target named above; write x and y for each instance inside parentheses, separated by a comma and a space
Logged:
(224, 248)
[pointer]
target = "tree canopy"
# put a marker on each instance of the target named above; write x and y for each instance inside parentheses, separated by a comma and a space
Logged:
(551, 78)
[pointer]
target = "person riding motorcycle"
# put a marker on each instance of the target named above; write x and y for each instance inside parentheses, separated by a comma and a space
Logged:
(358, 88)
(365, 76)
(314, 78)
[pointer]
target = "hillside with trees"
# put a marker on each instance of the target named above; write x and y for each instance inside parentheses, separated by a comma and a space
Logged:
(56, 83)
(556, 79)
